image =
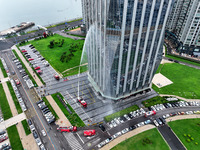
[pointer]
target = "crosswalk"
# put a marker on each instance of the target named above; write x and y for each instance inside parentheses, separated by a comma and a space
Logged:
(71, 139)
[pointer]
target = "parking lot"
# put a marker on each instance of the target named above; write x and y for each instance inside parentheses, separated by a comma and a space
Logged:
(47, 71)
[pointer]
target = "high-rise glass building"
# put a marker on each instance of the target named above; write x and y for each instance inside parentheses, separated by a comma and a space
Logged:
(124, 43)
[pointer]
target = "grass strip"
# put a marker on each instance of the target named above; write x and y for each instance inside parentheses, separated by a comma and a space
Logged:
(26, 127)
(3, 70)
(5, 108)
(148, 140)
(32, 67)
(156, 100)
(74, 20)
(27, 72)
(14, 138)
(17, 105)
(182, 59)
(73, 118)
(121, 113)
(50, 107)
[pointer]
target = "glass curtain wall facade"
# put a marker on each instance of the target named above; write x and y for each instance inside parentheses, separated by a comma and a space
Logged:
(124, 43)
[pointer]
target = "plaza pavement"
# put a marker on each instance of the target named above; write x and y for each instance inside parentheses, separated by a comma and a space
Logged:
(28, 142)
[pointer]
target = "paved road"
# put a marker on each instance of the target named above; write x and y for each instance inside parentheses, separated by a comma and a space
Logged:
(53, 140)
(7, 43)
(171, 138)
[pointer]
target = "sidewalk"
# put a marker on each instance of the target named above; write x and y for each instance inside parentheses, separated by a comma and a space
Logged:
(126, 136)
(62, 121)
(182, 98)
(27, 66)
(180, 117)
(12, 121)
(28, 143)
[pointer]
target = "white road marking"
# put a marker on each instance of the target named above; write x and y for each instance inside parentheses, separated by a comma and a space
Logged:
(80, 138)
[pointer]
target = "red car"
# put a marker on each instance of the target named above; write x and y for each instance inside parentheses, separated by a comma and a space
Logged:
(83, 103)
(30, 59)
(149, 113)
(17, 81)
(89, 132)
(67, 129)
(24, 51)
(56, 77)
(3, 139)
(36, 68)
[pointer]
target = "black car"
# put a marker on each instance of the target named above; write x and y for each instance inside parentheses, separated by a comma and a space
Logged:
(35, 134)
(130, 116)
(40, 101)
(102, 127)
(132, 128)
(163, 120)
(42, 59)
(29, 122)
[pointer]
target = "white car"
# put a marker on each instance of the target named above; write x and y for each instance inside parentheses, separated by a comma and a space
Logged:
(125, 130)
(113, 123)
(156, 123)
(42, 147)
(38, 141)
(127, 117)
(189, 112)
(117, 121)
(43, 133)
(140, 124)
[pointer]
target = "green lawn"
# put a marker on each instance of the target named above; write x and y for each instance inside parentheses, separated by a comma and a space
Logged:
(187, 129)
(183, 60)
(155, 100)
(27, 72)
(53, 55)
(3, 70)
(73, 118)
(185, 81)
(120, 113)
(17, 105)
(136, 142)
(26, 127)
(5, 108)
(14, 138)
(50, 107)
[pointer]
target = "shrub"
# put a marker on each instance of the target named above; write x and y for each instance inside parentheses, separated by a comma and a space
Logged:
(196, 143)
(185, 135)
(188, 140)
(192, 138)
(189, 135)
(146, 141)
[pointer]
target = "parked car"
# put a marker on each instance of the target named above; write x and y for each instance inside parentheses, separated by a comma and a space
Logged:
(147, 122)
(30, 59)
(102, 127)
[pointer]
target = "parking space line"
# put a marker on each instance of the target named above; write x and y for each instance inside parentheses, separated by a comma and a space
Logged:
(80, 138)
(89, 91)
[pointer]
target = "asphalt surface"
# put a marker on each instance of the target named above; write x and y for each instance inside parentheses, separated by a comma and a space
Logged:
(54, 139)
(171, 138)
